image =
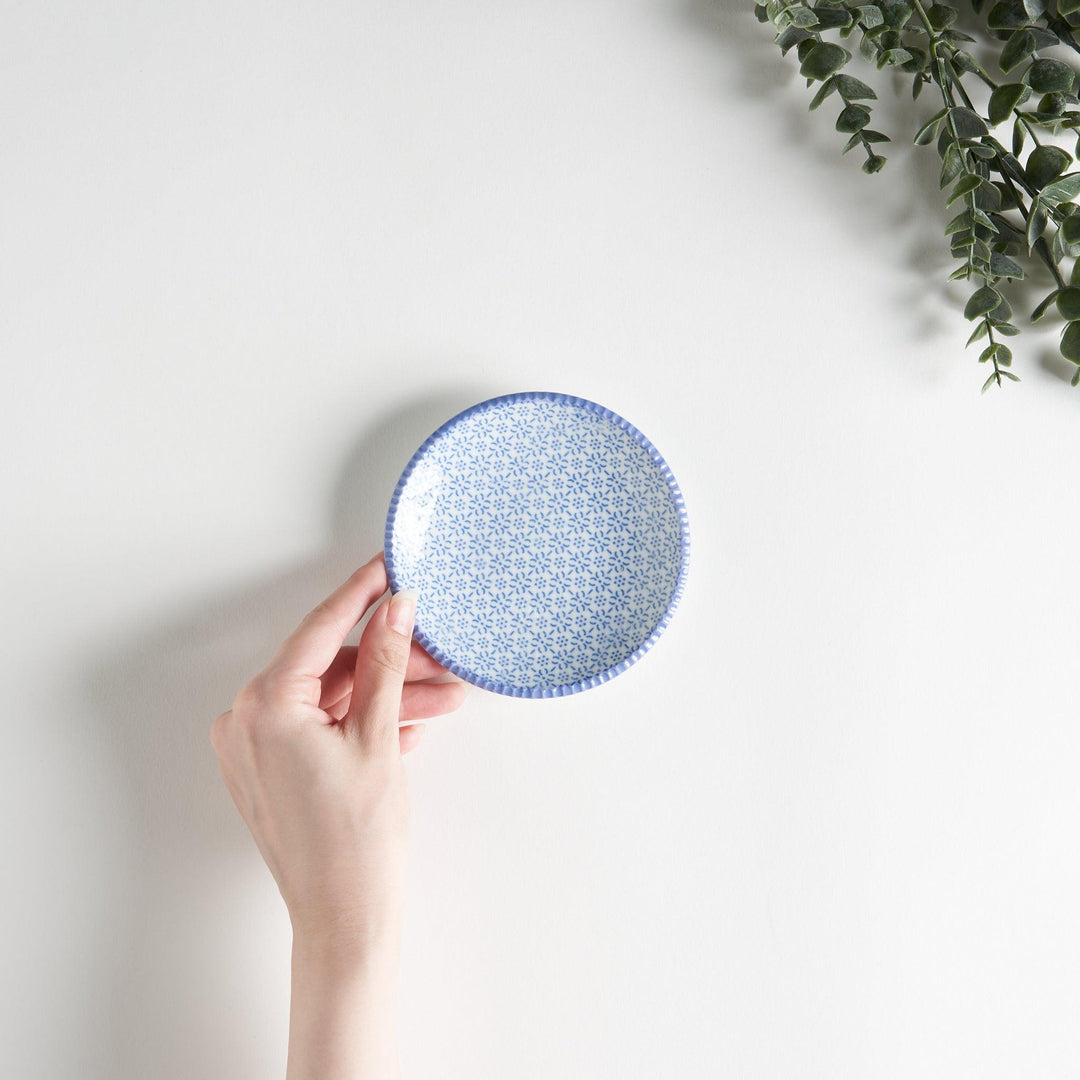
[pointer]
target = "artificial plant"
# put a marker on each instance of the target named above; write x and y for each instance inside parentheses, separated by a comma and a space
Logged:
(1014, 203)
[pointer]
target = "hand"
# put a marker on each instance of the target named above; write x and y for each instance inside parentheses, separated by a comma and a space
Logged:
(311, 752)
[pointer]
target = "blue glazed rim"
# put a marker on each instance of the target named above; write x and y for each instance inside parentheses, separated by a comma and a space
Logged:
(564, 689)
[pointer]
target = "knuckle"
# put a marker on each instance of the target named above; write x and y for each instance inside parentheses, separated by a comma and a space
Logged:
(217, 731)
(253, 696)
(389, 657)
(320, 612)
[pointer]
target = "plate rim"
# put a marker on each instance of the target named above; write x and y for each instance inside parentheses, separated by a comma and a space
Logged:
(579, 685)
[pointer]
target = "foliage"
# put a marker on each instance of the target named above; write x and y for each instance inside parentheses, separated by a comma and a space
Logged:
(1010, 212)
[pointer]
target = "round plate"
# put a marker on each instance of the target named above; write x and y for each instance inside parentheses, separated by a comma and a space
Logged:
(548, 541)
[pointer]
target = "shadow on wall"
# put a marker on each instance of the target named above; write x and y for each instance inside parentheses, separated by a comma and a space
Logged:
(169, 999)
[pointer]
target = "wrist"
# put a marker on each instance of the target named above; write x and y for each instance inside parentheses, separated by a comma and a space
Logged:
(346, 943)
(343, 1016)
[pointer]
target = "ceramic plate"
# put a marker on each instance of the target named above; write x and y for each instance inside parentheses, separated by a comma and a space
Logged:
(548, 541)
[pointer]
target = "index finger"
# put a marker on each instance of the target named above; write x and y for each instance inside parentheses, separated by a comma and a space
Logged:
(311, 647)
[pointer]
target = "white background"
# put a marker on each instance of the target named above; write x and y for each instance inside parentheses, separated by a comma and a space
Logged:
(252, 255)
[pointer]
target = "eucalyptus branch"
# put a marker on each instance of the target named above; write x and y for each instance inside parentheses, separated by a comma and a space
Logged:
(921, 41)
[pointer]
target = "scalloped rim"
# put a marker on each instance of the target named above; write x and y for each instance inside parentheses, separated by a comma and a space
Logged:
(616, 669)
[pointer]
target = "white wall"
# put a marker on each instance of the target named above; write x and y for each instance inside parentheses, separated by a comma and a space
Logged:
(253, 254)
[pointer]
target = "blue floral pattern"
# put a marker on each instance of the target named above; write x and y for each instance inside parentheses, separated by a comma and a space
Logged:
(548, 541)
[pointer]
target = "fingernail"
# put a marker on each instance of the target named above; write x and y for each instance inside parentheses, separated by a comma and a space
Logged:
(402, 612)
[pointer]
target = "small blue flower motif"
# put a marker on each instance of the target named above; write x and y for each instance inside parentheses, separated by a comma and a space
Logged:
(546, 537)
(479, 503)
(474, 547)
(499, 563)
(581, 561)
(536, 563)
(579, 602)
(578, 482)
(559, 581)
(517, 544)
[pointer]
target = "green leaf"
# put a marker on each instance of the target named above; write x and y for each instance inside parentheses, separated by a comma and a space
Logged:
(789, 38)
(917, 61)
(1004, 356)
(826, 89)
(896, 57)
(870, 16)
(1068, 303)
(1050, 106)
(852, 89)
(1004, 99)
(982, 302)
(1034, 8)
(874, 136)
(988, 352)
(1002, 266)
(1070, 342)
(942, 16)
(980, 331)
(1007, 15)
(1070, 238)
(854, 118)
(964, 186)
(951, 167)
(1036, 224)
(1017, 49)
(1076, 378)
(961, 223)
(874, 163)
(823, 60)
(1041, 310)
(1063, 190)
(1019, 134)
(968, 124)
(831, 18)
(1049, 76)
(1067, 7)
(1044, 39)
(991, 379)
(1046, 163)
(961, 272)
(1008, 374)
(1007, 329)
(928, 132)
(896, 12)
(802, 17)
(988, 197)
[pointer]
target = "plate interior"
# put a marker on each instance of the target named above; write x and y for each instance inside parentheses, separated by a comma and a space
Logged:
(546, 538)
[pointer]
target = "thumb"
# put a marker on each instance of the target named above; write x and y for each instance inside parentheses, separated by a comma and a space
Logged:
(381, 660)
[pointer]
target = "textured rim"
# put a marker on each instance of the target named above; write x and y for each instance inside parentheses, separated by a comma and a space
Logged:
(616, 669)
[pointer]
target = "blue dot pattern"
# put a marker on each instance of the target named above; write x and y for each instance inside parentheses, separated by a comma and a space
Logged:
(547, 539)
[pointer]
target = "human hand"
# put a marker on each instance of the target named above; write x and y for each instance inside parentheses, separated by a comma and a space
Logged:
(311, 753)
